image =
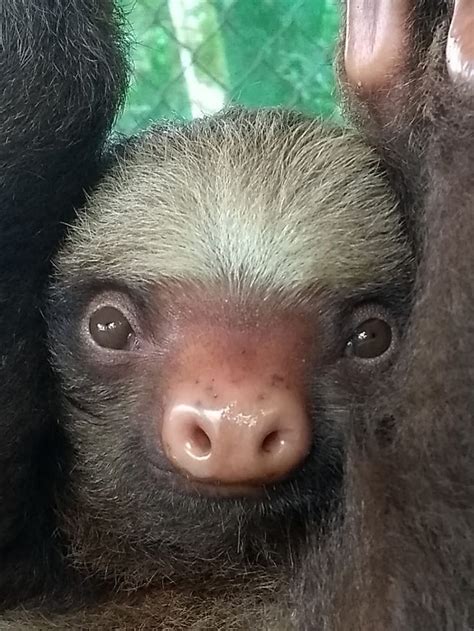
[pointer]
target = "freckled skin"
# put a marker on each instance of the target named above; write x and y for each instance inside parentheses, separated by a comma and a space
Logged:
(244, 371)
(226, 337)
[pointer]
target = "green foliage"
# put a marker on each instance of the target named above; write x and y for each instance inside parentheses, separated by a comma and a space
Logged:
(157, 89)
(254, 52)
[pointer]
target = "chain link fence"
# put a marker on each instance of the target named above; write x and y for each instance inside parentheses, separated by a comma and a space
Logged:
(192, 57)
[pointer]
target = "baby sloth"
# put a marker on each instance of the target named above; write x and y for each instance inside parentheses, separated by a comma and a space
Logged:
(219, 310)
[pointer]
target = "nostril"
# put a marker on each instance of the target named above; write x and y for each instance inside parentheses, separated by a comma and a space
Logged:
(272, 442)
(237, 444)
(198, 444)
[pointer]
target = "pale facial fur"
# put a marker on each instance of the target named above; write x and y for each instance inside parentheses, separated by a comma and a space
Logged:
(267, 201)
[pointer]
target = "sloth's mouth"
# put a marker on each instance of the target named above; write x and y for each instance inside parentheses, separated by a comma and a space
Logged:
(181, 484)
(224, 490)
(208, 488)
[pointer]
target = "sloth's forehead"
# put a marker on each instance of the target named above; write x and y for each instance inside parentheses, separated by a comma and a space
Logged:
(271, 211)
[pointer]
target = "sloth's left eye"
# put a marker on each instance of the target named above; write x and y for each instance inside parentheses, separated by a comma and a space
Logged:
(109, 328)
(370, 339)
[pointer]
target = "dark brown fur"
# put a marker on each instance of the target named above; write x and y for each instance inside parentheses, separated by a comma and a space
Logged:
(404, 559)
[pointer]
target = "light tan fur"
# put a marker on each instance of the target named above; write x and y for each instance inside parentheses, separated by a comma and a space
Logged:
(262, 200)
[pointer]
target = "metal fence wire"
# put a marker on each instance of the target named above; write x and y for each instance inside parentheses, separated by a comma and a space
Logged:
(192, 57)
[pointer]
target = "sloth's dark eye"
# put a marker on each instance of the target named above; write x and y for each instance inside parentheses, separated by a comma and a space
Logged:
(371, 339)
(109, 328)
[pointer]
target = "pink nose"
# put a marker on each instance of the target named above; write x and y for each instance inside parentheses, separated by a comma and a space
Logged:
(247, 440)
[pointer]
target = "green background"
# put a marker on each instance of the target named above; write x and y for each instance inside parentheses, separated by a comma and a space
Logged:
(254, 52)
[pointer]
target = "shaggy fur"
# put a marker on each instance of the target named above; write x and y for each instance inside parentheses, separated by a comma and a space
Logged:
(404, 558)
(62, 78)
(271, 200)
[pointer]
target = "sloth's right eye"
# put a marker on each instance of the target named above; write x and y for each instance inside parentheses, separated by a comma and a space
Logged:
(109, 328)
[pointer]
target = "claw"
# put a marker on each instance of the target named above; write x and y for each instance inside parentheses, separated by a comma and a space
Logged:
(460, 45)
(376, 41)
